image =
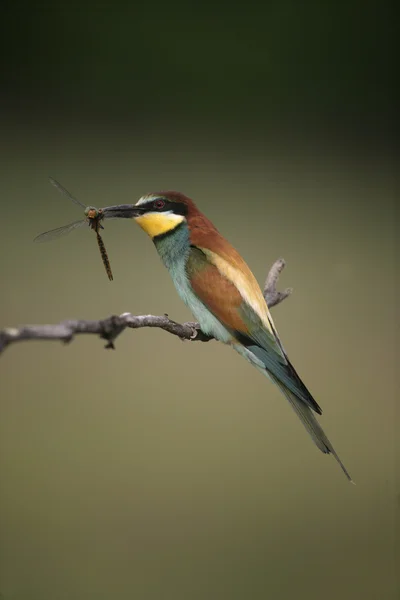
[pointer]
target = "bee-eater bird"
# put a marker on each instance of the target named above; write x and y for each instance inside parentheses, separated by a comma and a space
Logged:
(222, 293)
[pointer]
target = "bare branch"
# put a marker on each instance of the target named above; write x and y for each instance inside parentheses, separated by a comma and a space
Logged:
(110, 328)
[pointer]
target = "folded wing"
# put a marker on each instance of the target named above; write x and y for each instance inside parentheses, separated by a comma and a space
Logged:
(218, 286)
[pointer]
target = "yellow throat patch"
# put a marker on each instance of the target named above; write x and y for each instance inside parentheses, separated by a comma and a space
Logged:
(158, 223)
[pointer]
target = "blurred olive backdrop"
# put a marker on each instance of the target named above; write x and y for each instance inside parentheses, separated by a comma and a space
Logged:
(169, 470)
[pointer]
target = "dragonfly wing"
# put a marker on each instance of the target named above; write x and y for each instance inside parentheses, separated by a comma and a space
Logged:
(66, 193)
(53, 234)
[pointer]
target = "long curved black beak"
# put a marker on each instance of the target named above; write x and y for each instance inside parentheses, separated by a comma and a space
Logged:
(122, 211)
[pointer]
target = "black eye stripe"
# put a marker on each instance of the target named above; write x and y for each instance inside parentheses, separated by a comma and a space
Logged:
(163, 205)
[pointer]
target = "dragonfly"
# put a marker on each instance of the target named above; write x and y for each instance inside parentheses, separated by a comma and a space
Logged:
(93, 217)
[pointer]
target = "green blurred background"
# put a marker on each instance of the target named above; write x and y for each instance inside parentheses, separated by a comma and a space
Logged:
(168, 470)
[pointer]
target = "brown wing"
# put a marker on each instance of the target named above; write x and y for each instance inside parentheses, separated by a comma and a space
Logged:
(216, 291)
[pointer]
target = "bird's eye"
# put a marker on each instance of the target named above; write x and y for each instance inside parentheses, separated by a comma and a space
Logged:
(159, 204)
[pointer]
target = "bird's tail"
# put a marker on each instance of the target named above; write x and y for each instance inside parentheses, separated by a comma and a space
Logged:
(311, 424)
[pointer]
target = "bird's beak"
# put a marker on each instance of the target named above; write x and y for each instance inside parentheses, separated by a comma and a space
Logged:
(122, 211)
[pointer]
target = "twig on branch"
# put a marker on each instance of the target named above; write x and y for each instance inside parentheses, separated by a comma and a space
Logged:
(109, 329)
(271, 294)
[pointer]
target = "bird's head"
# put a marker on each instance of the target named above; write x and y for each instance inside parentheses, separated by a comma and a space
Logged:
(161, 212)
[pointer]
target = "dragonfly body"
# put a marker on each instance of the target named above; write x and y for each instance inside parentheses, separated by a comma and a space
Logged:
(93, 218)
(104, 255)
